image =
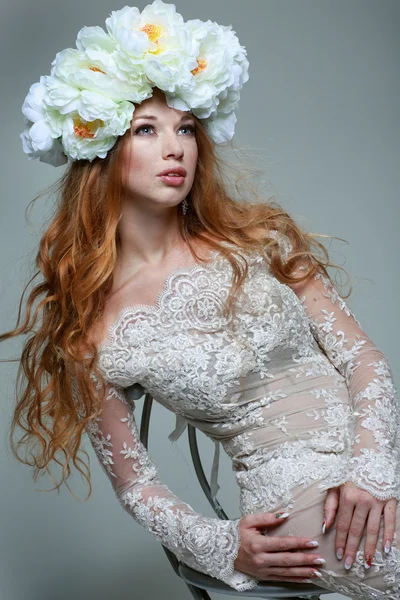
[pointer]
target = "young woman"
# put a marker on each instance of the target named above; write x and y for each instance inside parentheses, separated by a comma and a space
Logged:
(222, 310)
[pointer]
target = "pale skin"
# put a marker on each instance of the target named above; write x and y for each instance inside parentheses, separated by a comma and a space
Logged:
(151, 247)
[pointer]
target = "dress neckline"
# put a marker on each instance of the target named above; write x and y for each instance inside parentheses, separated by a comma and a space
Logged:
(155, 308)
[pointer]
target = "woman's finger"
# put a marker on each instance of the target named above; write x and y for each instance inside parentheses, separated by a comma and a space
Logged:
(356, 530)
(371, 538)
(307, 579)
(284, 543)
(276, 573)
(290, 559)
(330, 508)
(344, 517)
(389, 524)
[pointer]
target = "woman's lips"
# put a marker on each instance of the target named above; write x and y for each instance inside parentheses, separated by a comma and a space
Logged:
(172, 179)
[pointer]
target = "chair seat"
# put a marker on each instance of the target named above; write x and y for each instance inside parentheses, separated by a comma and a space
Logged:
(263, 590)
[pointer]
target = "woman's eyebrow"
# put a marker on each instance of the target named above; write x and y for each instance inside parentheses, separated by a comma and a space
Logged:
(154, 118)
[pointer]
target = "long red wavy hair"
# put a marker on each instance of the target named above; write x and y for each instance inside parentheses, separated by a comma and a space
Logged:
(76, 260)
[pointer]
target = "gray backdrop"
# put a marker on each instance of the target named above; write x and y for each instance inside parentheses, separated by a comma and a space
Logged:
(320, 116)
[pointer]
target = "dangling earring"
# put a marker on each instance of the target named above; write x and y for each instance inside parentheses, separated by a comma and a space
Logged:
(184, 206)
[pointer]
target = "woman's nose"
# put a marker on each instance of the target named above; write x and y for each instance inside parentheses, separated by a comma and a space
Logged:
(172, 146)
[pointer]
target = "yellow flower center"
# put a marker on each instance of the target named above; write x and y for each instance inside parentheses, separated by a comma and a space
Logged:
(201, 66)
(153, 32)
(88, 129)
(97, 70)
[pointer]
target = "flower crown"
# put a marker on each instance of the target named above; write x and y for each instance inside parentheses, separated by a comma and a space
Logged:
(80, 109)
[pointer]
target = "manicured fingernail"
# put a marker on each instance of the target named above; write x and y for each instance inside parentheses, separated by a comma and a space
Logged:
(307, 581)
(348, 562)
(367, 561)
(315, 573)
(281, 515)
(319, 561)
(323, 526)
(312, 544)
(387, 547)
(339, 553)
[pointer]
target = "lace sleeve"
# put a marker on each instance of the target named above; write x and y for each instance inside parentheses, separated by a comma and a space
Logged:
(375, 462)
(374, 465)
(209, 545)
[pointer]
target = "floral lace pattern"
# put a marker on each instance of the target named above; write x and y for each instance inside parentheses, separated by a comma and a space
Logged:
(374, 465)
(205, 544)
(292, 388)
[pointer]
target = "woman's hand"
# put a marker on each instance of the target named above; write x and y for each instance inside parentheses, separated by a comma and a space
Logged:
(358, 510)
(274, 558)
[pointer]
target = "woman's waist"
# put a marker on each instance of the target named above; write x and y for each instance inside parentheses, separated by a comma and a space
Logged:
(281, 415)
(272, 480)
(291, 451)
(288, 429)
(266, 414)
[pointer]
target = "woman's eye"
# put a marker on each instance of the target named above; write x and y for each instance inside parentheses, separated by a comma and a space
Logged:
(143, 127)
(190, 129)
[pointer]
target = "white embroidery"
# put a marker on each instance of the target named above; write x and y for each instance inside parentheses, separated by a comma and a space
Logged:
(207, 545)
(101, 444)
(293, 389)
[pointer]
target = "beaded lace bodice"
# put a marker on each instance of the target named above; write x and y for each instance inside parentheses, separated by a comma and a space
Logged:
(291, 386)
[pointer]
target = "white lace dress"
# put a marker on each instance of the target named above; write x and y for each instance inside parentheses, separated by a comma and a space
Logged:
(292, 388)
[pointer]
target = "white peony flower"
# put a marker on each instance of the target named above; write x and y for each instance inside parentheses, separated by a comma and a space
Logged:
(62, 97)
(176, 102)
(222, 71)
(228, 100)
(95, 106)
(39, 138)
(222, 66)
(83, 140)
(94, 128)
(240, 64)
(95, 70)
(36, 143)
(34, 108)
(168, 53)
(103, 51)
(88, 122)
(95, 38)
(221, 129)
(124, 27)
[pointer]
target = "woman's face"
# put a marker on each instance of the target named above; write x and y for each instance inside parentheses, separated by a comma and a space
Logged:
(163, 139)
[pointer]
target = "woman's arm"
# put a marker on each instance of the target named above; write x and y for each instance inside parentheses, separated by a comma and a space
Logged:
(375, 463)
(209, 545)
(372, 480)
(374, 466)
